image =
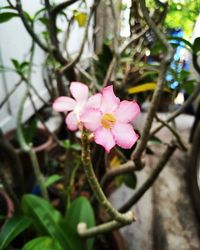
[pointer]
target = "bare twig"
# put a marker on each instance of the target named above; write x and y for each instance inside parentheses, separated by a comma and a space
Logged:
(53, 13)
(174, 132)
(125, 168)
(85, 232)
(136, 156)
(59, 7)
(121, 50)
(10, 93)
(151, 179)
(76, 59)
(28, 26)
(183, 107)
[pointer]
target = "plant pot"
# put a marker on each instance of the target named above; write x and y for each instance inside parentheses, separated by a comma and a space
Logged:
(41, 145)
(6, 207)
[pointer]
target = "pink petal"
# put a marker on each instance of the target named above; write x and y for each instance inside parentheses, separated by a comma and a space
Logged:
(109, 101)
(127, 111)
(91, 119)
(94, 101)
(104, 137)
(124, 135)
(64, 103)
(79, 92)
(71, 121)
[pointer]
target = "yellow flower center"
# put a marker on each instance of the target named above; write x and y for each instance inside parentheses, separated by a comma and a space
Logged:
(108, 120)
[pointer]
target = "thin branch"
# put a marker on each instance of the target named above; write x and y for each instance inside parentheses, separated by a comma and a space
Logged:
(76, 59)
(59, 7)
(83, 72)
(85, 232)
(125, 168)
(174, 132)
(177, 112)
(28, 27)
(53, 13)
(22, 141)
(10, 93)
(151, 179)
(121, 50)
(136, 156)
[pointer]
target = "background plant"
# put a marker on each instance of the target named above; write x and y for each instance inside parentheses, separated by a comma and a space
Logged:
(122, 61)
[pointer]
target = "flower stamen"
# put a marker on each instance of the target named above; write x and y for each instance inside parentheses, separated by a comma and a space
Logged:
(108, 120)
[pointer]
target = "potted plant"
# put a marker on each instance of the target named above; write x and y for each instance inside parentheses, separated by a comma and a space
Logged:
(98, 120)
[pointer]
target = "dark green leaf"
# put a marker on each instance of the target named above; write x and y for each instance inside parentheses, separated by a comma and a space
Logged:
(130, 180)
(38, 13)
(44, 20)
(46, 219)
(6, 16)
(189, 86)
(16, 64)
(155, 140)
(80, 211)
(196, 45)
(12, 229)
(30, 130)
(43, 243)
(180, 39)
(52, 179)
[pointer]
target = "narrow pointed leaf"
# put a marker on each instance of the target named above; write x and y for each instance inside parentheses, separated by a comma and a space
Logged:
(12, 229)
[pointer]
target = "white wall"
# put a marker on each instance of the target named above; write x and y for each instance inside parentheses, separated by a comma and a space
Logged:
(15, 43)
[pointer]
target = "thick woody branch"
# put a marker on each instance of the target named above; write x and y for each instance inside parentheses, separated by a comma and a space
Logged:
(136, 156)
(126, 218)
(151, 179)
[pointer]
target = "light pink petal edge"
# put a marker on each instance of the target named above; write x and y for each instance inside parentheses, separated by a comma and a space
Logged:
(109, 101)
(64, 103)
(71, 121)
(94, 101)
(91, 119)
(104, 137)
(127, 111)
(124, 135)
(79, 91)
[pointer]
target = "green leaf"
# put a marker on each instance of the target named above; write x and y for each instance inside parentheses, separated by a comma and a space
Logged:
(180, 39)
(43, 243)
(130, 180)
(6, 16)
(196, 45)
(16, 64)
(44, 20)
(12, 229)
(155, 140)
(52, 179)
(80, 211)
(46, 219)
(30, 130)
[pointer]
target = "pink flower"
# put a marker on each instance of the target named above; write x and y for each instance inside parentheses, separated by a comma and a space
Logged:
(111, 123)
(77, 105)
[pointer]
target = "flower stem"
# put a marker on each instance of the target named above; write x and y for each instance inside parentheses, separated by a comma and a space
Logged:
(126, 218)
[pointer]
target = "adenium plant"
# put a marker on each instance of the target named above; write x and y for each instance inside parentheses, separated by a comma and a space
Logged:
(102, 114)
